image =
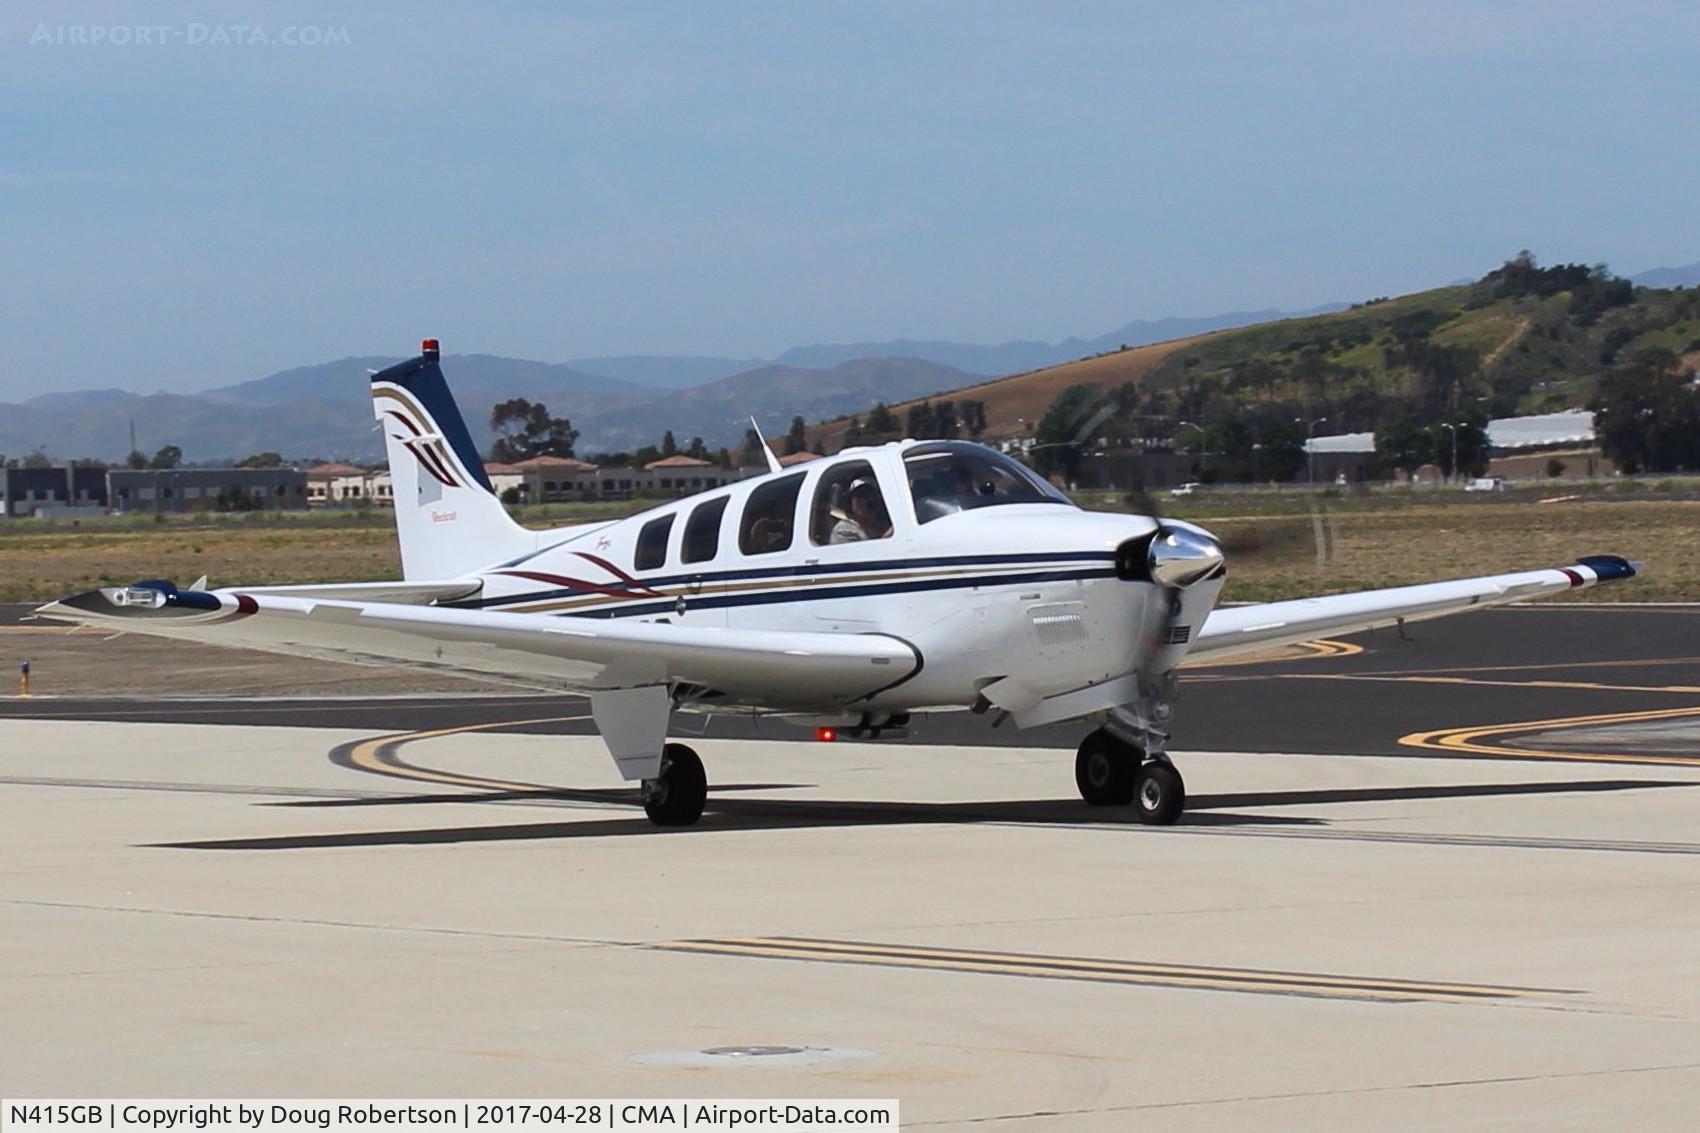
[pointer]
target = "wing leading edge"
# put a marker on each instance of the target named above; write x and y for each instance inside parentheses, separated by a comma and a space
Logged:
(727, 666)
(1245, 629)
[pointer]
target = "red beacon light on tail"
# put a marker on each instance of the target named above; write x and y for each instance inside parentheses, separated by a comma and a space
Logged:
(429, 346)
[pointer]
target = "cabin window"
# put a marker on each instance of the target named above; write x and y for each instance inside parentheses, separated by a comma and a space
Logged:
(849, 506)
(770, 517)
(702, 531)
(652, 543)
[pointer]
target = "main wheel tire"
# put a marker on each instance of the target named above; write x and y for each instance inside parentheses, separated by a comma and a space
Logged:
(677, 796)
(1104, 768)
(1159, 793)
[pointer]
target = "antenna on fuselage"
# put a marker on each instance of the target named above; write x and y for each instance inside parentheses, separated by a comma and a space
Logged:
(773, 464)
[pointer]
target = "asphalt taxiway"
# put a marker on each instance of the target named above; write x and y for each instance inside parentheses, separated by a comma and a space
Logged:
(1422, 884)
(1491, 680)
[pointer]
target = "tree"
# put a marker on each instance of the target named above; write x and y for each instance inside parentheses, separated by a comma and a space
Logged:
(1647, 414)
(1065, 428)
(168, 457)
(669, 447)
(1405, 444)
(1282, 454)
(881, 421)
(525, 430)
(853, 435)
(944, 420)
(697, 450)
(751, 453)
(136, 459)
(974, 417)
(920, 425)
(796, 437)
(38, 459)
(261, 460)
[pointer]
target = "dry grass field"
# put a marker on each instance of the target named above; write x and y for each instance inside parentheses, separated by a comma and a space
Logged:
(40, 562)
(1272, 557)
(1272, 552)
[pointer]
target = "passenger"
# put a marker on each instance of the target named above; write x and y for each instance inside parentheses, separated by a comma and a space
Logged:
(868, 518)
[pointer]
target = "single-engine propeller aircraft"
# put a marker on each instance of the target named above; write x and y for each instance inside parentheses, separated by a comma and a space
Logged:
(849, 592)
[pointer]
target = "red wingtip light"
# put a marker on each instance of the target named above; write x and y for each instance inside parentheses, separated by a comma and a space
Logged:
(429, 346)
(826, 735)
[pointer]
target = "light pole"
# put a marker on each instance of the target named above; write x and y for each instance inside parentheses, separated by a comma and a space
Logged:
(1310, 455)
(1452, 474)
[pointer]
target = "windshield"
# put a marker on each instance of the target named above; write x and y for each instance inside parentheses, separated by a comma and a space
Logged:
(946, 477)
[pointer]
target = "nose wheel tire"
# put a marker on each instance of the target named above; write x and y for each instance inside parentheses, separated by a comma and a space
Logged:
(1104, 769)
(1159, 794)
(677, 796)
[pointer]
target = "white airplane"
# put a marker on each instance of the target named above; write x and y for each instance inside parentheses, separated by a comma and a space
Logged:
(846, 594)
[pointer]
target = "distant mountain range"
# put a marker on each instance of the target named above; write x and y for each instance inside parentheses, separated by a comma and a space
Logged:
(324, 410)
(616, 403)
(1686, 276)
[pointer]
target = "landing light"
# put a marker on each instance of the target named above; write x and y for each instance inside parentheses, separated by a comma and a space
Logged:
(127, 596)
(826, 735)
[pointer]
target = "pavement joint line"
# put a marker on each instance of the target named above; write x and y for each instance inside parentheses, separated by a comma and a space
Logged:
(185, 788)
(1491, 841)
(1303, 1095)
(317, 922)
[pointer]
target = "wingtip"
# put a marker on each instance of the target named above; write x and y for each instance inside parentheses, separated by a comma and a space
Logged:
(1610, 568)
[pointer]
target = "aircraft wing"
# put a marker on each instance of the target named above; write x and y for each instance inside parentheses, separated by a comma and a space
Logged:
(1245, 629)
(815, 670)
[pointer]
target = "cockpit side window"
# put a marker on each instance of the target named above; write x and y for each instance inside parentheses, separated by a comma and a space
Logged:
(702, 531)
(951, 476)
(770, 516)
(652, 543)
(849, 506)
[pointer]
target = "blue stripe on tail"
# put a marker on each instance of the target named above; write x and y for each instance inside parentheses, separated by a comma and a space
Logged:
(423, 378)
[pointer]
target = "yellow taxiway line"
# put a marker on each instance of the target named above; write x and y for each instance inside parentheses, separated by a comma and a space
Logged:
(378, 755)
(1476, 740)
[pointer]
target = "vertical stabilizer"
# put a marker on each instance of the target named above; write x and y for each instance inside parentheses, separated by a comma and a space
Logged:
(447, 518)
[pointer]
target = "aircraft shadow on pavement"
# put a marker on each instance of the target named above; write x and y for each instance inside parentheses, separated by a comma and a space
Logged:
(784, 814)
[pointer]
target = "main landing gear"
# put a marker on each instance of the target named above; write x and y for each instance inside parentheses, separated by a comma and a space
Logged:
(1111, 771)
(676, 796)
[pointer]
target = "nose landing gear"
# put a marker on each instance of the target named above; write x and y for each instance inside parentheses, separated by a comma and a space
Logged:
(1112, 771)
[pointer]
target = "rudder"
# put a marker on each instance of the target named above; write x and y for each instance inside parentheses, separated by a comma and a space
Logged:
(448, 519)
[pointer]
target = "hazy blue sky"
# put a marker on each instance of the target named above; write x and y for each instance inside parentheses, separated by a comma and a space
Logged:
(554, 180)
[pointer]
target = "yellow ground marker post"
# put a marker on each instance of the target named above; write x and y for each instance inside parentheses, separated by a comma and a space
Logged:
(24, 679)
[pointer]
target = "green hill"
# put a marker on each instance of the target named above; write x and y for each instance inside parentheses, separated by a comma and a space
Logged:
(1523, 339)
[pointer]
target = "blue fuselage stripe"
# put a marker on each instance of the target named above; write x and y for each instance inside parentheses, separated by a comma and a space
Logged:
(801, 570)
(825, 593)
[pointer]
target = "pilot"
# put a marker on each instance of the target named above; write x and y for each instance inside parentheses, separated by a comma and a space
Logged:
(868, 518)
